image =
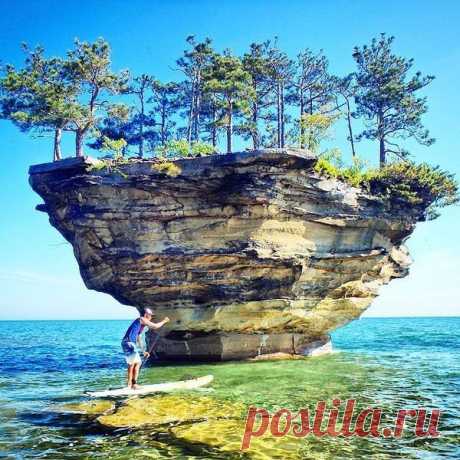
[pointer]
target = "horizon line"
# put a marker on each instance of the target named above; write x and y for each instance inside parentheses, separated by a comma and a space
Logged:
(128, 318)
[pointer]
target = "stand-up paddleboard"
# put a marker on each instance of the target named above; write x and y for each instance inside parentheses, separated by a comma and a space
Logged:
(156, 388)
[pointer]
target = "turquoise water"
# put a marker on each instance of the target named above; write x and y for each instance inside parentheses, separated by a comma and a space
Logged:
(392, 363)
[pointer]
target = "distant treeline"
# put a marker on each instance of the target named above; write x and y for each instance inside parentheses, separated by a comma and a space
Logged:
(263, 96)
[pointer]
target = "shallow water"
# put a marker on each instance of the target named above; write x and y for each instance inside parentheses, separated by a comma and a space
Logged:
(389, 363)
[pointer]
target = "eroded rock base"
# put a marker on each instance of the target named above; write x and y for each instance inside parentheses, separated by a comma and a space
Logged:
(236, 346)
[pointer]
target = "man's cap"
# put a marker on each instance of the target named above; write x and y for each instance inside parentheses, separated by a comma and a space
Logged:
(147, 311)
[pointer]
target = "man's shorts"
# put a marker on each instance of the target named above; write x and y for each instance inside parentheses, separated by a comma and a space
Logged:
(131, 354)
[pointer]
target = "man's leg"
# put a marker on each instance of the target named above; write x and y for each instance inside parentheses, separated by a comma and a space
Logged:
(130, 374)
(136, 369)
(137, 366)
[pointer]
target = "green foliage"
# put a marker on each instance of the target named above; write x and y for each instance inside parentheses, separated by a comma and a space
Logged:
(227, 78)
(119, 112)
(167, 167)
(39, 98)
(114, 146)
(420, 185)
(174, 148)
(99, 166)
(312, 93)
(403, 183)
(196, 101)
(62, 94)
(201, 149)
(245, 96)
(165, 99)
(231, 85)
(111, 165)
(387, 97)
(88, 67)
(180, 148)
(257, 63)
(330, 163)
(314, 129)
(264, 96)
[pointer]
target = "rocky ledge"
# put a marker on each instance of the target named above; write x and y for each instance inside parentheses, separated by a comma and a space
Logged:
(249, 254)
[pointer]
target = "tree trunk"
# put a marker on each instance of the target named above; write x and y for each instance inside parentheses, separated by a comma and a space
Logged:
(382, 152)
(255, 119)
(381, 138)
(255, 130)
(310, 130)
(79, 135)
(229, 127)
(163, 127)
(282, 116)
(350, 130)
(196, 129)
(279, 115)
(141, 141)
(57, 144)
(213, 128)
(191, 115)
(302, 126)
(141, 128)
(197, 118)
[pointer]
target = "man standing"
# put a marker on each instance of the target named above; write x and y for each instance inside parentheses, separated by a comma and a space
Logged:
(131, 342)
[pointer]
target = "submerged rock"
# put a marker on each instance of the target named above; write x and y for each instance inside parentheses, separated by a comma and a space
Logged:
(225, 436)
(161, 410)
(249, 254)
(90, 408)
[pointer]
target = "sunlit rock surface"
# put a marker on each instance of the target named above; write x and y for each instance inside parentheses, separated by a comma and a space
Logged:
(249, 254)
(161, 410)
(225, 436)
(96, 407)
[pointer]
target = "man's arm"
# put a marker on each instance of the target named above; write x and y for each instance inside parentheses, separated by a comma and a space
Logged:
(151, 325)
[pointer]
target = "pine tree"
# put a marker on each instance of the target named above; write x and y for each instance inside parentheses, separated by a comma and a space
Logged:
(140, 87)
(281, 71)
(345, 90)
(387, 98)
(39, 98)
(88, 67)
(165, 105)
(211, 117)
(312, 88)
(257, 63)
(232, 86)
(193, 64)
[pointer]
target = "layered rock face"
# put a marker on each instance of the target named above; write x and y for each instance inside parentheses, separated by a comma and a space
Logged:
(248, 254)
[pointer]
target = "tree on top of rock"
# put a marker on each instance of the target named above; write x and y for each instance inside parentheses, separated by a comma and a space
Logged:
(88, 67)
(344, 89)
(257, 63)
(141, 123)
(227, 79)
(312, 89)
(281, 72)
(165, 99)
(39, 98)
(387, 97)
(193, 64)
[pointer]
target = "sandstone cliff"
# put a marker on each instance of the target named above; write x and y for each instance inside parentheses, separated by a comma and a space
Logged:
(249, 254)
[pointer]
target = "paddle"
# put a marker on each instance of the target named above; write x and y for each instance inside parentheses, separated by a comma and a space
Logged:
(154, 337)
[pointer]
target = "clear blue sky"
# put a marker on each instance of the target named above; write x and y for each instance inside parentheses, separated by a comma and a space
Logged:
(38, 274)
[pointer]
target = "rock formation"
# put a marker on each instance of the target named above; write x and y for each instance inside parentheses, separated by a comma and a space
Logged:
(249, 254)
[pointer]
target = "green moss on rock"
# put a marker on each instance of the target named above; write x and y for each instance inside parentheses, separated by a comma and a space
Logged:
(160, 410)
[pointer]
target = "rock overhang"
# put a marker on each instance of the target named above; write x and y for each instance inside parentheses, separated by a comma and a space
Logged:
(251, 243)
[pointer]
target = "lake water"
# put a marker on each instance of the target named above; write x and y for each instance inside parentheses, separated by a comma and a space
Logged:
(393, 363)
